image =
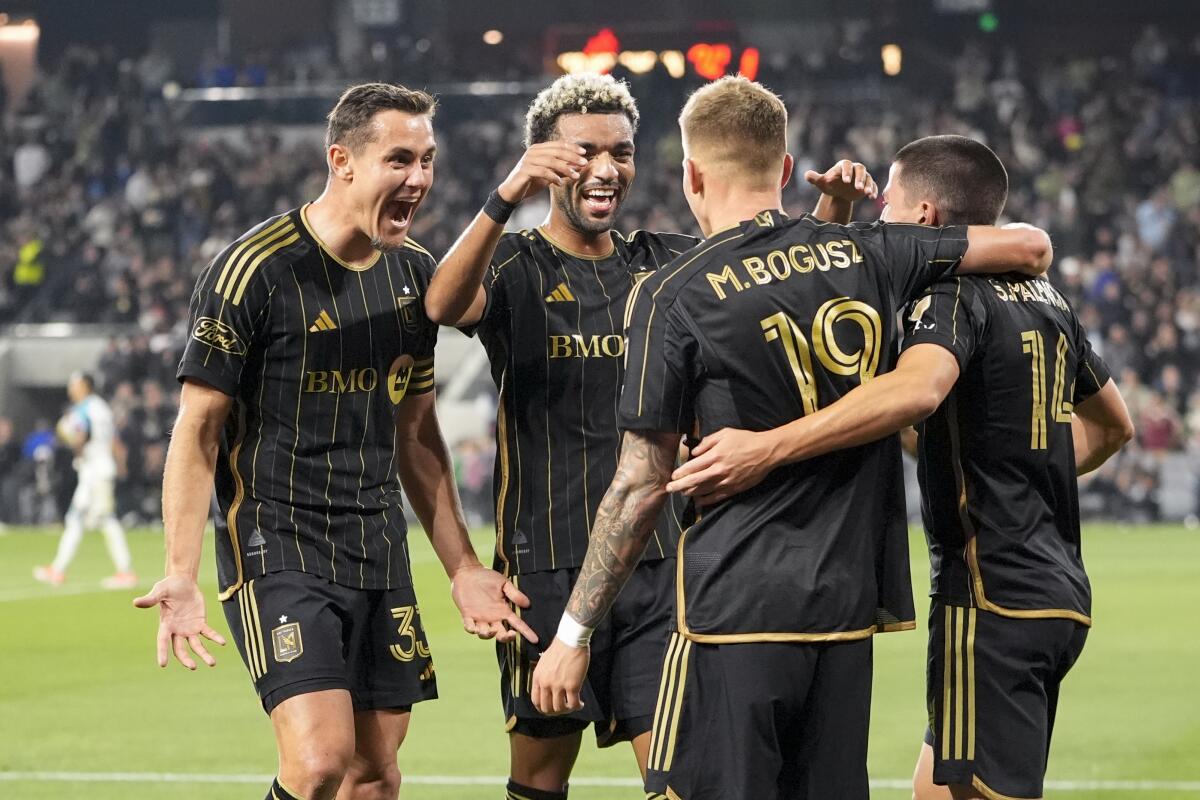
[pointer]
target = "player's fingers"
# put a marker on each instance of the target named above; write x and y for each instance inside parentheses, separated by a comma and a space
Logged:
(557, 164)
(181, 653)
(515, 595)
(546, 175)
(859, 172)
(872, 187)
(688, 483)
(813, 177)
(163, 646)
(212, 636)
(486, 630)
(198, 648)
(149, 600)
(518, 626)
(468, 625)
(846, 167)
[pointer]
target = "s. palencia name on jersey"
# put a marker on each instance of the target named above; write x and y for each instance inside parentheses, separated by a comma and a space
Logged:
(779, 265)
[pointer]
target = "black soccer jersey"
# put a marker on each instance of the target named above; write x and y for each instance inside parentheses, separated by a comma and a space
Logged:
(316, 354)
(997, 467)
(554, 333)
(757, 326)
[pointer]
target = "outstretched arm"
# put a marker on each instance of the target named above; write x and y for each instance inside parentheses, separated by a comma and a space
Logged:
(1016, 247)
(731, 461)
(623, 524)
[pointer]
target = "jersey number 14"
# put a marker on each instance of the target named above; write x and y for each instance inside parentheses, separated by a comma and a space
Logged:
(1034, 345)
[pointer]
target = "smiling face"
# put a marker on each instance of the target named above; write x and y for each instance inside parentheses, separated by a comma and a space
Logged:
(389, 175)
(590, 204)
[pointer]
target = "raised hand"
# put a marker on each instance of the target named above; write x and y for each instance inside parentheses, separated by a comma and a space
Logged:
(845, 180)
(546, 163)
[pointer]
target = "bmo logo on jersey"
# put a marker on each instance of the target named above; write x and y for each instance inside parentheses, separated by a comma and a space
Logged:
(336, 381)
(577, 345)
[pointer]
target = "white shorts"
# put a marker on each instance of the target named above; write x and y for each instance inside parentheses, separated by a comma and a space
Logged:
(94, 499)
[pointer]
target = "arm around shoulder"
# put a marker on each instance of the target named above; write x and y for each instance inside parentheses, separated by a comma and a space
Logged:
(1014, 248)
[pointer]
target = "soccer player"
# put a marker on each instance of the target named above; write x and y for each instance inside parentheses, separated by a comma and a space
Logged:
(308, 384)
(87, 428)
(1020, 404)
(765, 690)
(549, 305)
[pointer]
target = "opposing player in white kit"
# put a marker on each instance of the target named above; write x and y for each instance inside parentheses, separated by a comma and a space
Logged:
(88, 430)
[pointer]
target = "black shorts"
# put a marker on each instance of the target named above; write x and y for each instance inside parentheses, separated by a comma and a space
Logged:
(627, 649)
(762, 720)
(992, 691)
(300, 633)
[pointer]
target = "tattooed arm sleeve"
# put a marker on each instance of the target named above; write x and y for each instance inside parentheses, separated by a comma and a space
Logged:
(624, 522)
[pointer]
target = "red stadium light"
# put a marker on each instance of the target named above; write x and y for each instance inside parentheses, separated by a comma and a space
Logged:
(603, 42)
(710, 60)
(748, 66)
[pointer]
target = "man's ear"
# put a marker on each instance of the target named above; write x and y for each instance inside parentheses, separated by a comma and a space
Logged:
(338, 157)
(692, 177)
(929, 214)
(789, 164)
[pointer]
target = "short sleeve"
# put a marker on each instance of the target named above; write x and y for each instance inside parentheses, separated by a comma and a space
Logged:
(225, 317)
(496, 308)
(949, 314)
(1091, 372)
(914, 256)
(660, 368)
(420, 333)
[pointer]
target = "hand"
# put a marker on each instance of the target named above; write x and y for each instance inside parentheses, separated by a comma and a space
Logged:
(724, 463)
(181, 620)
(845, 180)
(483, 596)
(558, 678)
(543, 164)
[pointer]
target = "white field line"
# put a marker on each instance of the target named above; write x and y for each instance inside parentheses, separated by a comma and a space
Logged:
(51, 593)
(496, 780)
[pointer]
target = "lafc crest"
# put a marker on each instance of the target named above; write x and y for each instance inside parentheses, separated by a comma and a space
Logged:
(287, 642)
(408, 306)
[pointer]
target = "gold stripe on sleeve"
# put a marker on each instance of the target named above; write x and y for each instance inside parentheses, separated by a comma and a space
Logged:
(241, 248)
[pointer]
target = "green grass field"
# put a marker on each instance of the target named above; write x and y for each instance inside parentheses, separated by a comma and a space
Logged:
(80, 692)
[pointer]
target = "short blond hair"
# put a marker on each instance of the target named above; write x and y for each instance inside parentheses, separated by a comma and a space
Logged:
(737, 123)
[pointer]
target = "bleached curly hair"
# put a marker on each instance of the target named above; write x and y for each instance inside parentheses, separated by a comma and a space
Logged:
(585, 93)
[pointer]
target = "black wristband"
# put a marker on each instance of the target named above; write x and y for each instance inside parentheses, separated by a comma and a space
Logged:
(498, 208)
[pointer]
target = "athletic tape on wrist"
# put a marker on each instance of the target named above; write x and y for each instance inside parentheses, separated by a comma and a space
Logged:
(571, 633)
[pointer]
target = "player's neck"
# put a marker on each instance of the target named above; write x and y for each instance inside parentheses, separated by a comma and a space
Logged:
(569, 238)
(334, 228)
(737, 207)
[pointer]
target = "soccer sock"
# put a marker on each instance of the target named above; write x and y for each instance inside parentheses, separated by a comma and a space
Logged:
(279, 793)
(516, 791)
(118, 548)
(69, 542)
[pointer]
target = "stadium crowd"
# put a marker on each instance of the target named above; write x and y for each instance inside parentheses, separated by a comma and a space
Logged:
(109, 207)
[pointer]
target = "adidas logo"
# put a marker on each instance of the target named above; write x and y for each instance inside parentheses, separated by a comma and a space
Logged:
(323, 323)
(561, 294)
(256, 540)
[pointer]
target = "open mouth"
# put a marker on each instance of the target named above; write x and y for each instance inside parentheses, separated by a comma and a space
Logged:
(399, 213)
(600, 200)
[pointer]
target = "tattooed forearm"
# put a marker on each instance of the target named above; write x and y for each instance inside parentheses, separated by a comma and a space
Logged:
(623, 522)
